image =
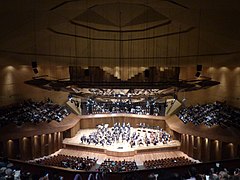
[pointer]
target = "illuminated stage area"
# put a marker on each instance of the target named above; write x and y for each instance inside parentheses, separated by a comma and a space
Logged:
(122, 147)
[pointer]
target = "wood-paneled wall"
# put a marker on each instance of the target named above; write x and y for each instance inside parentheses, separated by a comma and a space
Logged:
(199, 147)
(90, 123)
(206, 150)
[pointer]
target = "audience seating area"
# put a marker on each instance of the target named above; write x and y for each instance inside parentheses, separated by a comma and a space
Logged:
(117, 166)
(192, 173)
(167, 162)
(212, 170)
(220, 173)
(214, 173)
(217, 113)
(10, 171)
(7, 170)
(72, 162)
(30, 111)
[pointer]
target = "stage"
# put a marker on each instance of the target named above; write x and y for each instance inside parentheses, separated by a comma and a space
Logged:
(118, 149)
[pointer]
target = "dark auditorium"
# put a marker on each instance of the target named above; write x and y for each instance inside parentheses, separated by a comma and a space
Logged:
(120, 90)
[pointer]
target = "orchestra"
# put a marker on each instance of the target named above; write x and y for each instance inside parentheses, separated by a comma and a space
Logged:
(123, 133)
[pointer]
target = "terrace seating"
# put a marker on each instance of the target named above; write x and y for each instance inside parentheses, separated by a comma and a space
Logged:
(33, 112)
(168, 162)
(117, 166)
(72, 162)
(217, 113)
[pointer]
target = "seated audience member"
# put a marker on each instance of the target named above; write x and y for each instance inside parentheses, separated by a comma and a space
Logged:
(117, 166)
(72, 162)
(32, 112)
(216, 113)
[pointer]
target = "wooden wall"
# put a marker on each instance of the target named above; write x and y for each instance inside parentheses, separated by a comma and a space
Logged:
(88, 123)
(206, 150)
(201, 148)
(36, 146)
(13, 89)
(32, 147)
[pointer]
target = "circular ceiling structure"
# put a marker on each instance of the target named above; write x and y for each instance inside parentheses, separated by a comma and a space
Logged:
(120, 17)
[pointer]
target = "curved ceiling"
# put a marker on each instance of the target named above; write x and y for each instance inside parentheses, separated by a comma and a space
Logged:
(120, 15)
(184, 31)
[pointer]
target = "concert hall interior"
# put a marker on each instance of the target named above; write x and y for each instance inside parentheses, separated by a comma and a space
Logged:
(117, 89)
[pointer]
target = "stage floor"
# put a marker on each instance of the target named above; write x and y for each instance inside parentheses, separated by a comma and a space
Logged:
(122, 149)
(74, 147)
